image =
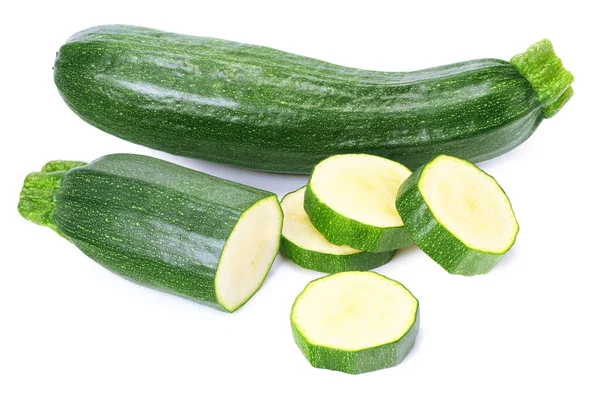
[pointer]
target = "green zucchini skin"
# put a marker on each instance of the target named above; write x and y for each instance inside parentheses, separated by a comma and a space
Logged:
(333, 263)
(434, 239)
(341, 230)
(322, 261)
(150, 221)
(358, 362)
(264, 109)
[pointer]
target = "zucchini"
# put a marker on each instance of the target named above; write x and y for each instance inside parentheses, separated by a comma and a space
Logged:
(264, 109)
(305, 246)
(350, 199)
(161, 225)
(458, 215)
(355, 322)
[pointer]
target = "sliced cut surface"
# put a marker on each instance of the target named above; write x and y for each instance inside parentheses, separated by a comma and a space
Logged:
(248, 253)
(350, 199)
(458, 215)
(469, 203)
(361, 186)
(302, 243)
(298, 228)
(355, 322)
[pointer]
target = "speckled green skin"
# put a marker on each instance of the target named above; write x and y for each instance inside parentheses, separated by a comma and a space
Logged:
(360, 361)
(434, 239)
(153, 222)
(341, 230)
(265, 109)
(333, 263)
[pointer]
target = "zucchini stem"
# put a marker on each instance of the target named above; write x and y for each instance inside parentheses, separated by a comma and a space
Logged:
(552, 109)
(37, 199)
(551, 82)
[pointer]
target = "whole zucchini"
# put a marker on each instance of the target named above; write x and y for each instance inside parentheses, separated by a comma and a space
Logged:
(161, 225)
(265, 109)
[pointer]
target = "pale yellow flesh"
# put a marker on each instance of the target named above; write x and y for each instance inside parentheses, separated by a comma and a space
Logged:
(469, 203)
(354, 310)
(298, 229)
(361, 187)
(248, 253)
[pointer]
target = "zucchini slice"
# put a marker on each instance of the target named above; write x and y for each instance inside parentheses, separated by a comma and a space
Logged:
(305, 246)
(355, 322)
(161, 225)
(350, 200)
(458, 215)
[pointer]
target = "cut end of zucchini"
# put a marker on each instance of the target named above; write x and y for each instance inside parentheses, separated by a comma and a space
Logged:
(469, 203)
(544, 70)
(355, 322)
(37, 202)
(249, 253)
(298, 229)
(360, 186)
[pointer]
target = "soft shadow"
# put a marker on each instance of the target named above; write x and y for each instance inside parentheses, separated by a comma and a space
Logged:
(403, 252)
(508, 259)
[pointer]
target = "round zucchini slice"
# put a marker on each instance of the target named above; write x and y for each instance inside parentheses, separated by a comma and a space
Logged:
(305, 246)
(458, 215)
(350, 200)
(355, 322)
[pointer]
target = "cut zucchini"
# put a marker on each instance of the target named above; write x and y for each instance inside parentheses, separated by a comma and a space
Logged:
(350, 200)
(305, 246)
(355, 322)
(458, 215)
(161, 225)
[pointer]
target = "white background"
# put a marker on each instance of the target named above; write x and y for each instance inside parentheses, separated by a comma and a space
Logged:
(69, 329)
